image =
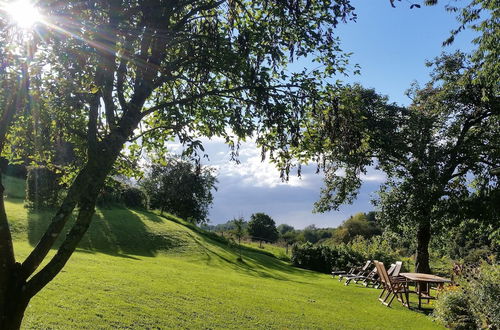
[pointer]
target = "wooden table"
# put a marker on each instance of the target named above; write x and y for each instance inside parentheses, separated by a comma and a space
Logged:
(422, 282)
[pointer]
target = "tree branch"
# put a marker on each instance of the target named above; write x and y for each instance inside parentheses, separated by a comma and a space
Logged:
(44, 276)
(215, 92)
(57, 224)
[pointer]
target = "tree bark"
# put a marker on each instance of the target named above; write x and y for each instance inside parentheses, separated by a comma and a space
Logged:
(15, 300)
(7, 260)
(423, 239)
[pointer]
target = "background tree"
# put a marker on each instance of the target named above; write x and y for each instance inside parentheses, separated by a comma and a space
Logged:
(356, 225)
(181, 188)
(290, 238)
(144, 71)
(288, 235)
(239, 231)
(284, 228)
(262, 227)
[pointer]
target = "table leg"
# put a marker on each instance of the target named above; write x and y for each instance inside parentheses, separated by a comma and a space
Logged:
(419, 292)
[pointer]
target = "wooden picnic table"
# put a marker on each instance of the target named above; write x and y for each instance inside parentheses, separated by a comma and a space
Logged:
(422, 282)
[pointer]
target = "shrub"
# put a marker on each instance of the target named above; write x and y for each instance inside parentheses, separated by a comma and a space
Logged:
(324, 258)
(483, 293)
(134, 197)
(118, 193)
(17, 171)
(111, 194)
(453, 310)
(474, 304)
(376, 248)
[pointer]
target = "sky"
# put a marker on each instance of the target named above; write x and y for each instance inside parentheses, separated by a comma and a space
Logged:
(391, 45)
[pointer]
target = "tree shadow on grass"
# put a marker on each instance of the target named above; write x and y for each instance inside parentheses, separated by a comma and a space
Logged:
(118, 232)
(254, 262)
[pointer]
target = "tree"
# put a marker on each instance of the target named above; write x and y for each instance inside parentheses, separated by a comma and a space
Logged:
(284, 228)
(181, 188)
(436, 153)
(262, 228)
(239, 231)
(139, 73)
(356, 225)
(290, 238)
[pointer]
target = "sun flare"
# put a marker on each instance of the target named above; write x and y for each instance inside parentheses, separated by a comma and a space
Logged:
(23, 13)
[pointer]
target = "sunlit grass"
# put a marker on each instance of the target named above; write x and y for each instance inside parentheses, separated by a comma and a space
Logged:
(138, 270)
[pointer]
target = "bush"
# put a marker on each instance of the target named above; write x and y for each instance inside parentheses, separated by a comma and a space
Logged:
(376, 248)
(42, 188)
(111, 194)
(117, 193)
(474, 304)
(134, 197)
(323, 258)
(453, 310)
(17, 171)
(483, 294)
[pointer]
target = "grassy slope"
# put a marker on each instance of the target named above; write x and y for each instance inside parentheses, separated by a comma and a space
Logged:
(137, 270)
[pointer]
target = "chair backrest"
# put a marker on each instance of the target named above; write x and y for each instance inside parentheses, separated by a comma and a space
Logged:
(382, 272)
(373, 273)
(367, 264)
(391, 269)
(397, 268)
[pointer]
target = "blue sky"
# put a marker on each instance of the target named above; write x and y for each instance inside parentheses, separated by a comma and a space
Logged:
(391, 45)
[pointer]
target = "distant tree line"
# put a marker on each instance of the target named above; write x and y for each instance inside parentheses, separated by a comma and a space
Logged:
(261, 227)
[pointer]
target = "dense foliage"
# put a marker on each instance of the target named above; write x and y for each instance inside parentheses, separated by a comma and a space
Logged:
(262, 227)
(181, 188)
(473, 304)
(116, 193)
(324, 258)
(360, 224)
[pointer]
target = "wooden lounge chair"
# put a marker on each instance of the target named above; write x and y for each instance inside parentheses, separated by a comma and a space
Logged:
(344, 272)
(394, 286)
(357, 271)
(372, 275)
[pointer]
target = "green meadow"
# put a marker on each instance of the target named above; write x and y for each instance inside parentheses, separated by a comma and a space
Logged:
(137, 270)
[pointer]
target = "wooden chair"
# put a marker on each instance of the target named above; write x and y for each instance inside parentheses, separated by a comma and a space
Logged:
(393, 273)
(394, 286)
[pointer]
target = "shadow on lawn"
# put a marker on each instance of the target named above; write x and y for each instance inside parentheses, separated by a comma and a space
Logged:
(118, 232)
(254, 261)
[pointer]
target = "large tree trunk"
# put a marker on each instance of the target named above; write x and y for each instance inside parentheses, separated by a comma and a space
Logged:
(14, 300)
(423, 239)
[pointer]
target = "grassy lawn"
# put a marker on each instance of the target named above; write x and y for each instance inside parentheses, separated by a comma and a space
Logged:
(135, 269)
(278, 251)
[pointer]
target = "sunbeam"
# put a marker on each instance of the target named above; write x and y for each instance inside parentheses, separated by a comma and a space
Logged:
(23, 13)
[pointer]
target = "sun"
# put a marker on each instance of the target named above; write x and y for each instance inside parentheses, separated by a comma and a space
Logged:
(23, 13)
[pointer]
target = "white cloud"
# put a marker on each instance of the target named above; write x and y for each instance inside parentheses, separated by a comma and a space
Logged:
(255, 186)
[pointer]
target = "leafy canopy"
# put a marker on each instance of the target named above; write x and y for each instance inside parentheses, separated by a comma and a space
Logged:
(262, 227)
(181, 188)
